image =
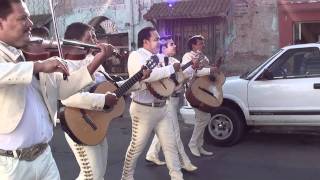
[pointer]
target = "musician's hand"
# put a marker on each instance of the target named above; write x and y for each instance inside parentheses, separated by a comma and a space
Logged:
(218, 62)
(99, 58)
(213, 70)
(146, 73)
(53, 64)
(106, 50)
(176, 67)
(195, 63)
(110, 100)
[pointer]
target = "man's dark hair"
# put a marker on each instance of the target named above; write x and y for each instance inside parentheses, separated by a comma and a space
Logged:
(42, 32)
(6, 8)
(164, 42)
(193, 41)
(76, 31)
(144, 34)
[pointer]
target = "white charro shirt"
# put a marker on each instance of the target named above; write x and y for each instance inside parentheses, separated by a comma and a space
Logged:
(28, 105)
(77, 64)
(85, 99)
(172, 60)
(35, 126)
(135, 61)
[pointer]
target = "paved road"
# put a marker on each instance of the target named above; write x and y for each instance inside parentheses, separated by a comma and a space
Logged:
(258, 156)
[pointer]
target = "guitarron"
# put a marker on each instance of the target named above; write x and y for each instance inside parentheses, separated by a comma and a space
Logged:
(89, 127)
(205, 92)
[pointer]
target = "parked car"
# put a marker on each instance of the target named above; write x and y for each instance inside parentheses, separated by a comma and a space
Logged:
(282, 91)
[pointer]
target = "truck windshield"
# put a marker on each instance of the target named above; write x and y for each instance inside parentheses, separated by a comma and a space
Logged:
(251, 73)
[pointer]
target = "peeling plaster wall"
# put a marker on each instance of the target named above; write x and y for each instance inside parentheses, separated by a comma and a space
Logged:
(127, 15)
(255, 27)
(37, 7)
(253, 34)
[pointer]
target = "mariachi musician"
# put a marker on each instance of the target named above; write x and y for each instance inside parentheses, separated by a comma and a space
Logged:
(148, 112)
(196, 46)
(29, 93)
(168, 50)
(92, 160)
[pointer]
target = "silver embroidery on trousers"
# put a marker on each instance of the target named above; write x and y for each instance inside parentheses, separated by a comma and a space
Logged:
(84, 162)
(127, 167)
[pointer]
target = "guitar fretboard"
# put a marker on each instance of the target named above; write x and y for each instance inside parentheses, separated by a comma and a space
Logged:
(186, 65)
(128, 84)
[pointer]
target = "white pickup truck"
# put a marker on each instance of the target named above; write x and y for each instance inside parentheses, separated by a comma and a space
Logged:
(282, 91)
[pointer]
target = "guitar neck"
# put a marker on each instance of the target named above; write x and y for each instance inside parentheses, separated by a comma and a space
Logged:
(128, 84)
(186, 65)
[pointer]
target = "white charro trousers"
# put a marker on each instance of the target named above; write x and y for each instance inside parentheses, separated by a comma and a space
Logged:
(172, 116)
(145, 119)
(202, 119)
(42, 168)
(92, 160)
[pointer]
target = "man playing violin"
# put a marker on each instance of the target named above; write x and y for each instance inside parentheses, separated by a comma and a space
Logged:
(29, 93)
(196, 46)
(168, 50)
(91, 159)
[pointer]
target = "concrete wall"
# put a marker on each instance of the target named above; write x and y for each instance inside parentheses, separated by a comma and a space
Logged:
(252, 33)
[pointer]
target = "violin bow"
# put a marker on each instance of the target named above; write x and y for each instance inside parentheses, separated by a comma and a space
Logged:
(52, 9)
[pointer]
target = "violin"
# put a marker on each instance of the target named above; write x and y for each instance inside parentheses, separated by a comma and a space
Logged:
(40, 49)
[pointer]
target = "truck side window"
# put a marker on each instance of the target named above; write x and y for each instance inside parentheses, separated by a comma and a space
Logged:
(295, 63)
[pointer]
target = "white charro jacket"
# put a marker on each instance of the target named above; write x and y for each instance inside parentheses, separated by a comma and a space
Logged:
(14, 77)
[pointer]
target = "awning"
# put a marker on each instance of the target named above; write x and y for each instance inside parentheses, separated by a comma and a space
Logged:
(40, 19)
(188, 9)
(294, 6)
(297, 1)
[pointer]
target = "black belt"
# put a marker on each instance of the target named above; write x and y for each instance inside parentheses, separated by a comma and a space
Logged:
(155, 104)
(175, 94)
(28, 154)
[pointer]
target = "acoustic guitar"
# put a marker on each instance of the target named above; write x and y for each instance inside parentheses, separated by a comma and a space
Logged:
(163, 88)
(90, 127)
(205, 92)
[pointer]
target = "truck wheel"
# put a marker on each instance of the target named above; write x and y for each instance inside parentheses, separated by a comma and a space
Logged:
(226, 127)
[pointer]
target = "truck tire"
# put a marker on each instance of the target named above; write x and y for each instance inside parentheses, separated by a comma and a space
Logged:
(226, 127)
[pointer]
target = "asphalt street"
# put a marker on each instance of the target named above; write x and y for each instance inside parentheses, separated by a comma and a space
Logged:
(259, 156)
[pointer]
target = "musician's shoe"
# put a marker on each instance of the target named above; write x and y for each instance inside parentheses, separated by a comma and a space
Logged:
(155, 160)
(189, 167)
(204, 152)
(195, 151)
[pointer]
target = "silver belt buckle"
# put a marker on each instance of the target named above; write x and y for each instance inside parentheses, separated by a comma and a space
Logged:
(32, 153)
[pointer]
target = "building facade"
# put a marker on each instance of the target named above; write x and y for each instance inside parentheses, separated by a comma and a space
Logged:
(245, 32)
